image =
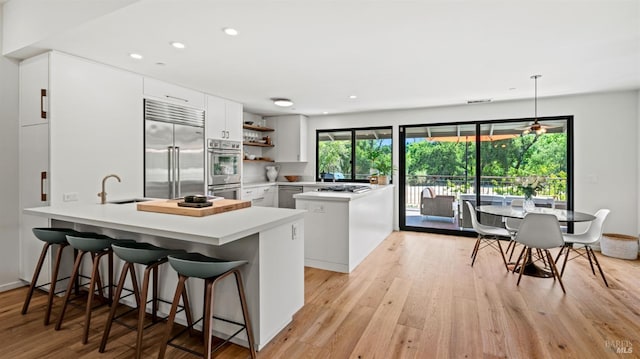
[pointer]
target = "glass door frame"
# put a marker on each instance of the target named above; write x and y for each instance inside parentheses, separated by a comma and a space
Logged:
(402, 180)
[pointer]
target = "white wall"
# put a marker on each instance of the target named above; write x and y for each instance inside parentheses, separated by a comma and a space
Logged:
(96, 129)
(606, 143)
(9, 259)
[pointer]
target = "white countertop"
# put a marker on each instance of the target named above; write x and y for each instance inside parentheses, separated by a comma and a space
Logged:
(340, 196)
(301, 183)
(216, 229)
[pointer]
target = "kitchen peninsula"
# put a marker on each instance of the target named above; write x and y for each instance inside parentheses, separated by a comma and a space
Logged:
(271, 239)
(342, 228)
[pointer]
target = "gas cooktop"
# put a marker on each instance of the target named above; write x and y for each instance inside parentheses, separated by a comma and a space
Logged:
(345, 188)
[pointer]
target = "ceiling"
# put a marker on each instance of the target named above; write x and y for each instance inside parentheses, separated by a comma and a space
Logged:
(390, 54)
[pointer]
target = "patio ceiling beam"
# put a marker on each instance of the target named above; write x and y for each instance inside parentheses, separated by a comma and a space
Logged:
(429, 132)
(330, 137)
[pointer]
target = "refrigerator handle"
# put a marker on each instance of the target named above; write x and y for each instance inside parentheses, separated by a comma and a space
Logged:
(170, 172)
(177, 171)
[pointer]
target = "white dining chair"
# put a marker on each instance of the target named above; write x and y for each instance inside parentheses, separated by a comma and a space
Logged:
(488, 236)
(512, 225)
(539, 231)
(585, 239)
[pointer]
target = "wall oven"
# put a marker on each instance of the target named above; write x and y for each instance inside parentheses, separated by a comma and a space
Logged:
(225, 159)
(231, 191)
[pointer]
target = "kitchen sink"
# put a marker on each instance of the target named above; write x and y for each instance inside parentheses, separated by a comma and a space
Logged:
(132, 200)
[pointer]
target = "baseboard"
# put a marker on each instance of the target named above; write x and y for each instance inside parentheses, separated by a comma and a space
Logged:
(13, 285)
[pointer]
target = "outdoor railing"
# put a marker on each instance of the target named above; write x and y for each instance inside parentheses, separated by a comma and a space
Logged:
(491, 185)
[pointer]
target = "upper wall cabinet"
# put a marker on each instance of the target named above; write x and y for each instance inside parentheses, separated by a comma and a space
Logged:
(34, 90)
(223, 119)
(290, 138)
(172, 93)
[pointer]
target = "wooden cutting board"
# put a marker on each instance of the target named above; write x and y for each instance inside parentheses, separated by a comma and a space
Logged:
(171, 207)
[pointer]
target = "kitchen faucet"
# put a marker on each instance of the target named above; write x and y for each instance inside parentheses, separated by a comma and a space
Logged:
(103, 194)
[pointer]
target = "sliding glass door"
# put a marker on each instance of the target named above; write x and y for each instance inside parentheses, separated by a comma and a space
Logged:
(444, 166)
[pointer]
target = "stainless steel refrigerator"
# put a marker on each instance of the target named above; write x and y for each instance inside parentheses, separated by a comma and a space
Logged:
(174, 151)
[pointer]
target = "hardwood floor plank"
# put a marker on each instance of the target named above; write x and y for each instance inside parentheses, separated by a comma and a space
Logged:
(415, 296)
(377, 336)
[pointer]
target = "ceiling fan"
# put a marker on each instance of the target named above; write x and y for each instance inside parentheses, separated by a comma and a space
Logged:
(536, 127)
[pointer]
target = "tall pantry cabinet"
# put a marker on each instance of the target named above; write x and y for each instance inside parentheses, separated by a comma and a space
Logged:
(33, 159)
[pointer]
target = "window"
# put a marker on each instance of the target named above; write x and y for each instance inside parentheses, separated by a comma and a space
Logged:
(481, 162)
(353, 155)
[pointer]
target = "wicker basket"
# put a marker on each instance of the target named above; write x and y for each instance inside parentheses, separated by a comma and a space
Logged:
(619, 246)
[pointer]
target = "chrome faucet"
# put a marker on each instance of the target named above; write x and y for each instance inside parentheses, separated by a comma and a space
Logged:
(103, 194)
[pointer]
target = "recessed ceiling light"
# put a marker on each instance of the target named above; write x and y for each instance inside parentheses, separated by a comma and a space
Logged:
(160, 63)
(353, 97)
(230, 31)
(178, 45)
(282, 102)
(325, 113)
(135, 56)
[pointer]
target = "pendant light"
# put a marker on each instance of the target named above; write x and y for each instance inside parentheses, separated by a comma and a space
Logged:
(535, 127)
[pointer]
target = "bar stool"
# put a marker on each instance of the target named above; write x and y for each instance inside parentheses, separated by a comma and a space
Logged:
(211, 270)
(152, 257)
(49, 236)
(98, 245)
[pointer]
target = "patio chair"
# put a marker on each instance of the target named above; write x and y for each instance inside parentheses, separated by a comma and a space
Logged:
(436, 205)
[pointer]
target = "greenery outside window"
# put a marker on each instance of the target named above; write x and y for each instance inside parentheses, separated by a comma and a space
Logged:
(353, 155)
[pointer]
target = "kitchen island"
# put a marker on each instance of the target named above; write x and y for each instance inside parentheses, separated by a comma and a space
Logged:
(271, 239)
(342, 228)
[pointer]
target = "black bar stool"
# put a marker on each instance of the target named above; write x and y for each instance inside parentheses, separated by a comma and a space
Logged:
(49, 236)
(152, 257)
(211, 270)
(98, 245)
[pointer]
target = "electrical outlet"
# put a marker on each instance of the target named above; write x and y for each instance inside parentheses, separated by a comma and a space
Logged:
(70, 197)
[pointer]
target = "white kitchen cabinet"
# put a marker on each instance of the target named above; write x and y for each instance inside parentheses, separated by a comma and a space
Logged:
(261, 196)
(223, 119)
(171, 93)
(290, 138)
(34, 189)
(264, 196)
(34, 86)
(247, 194)
(33, 162)
(233, 120)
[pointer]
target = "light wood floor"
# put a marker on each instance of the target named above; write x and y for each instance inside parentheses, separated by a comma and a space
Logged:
(416, 296)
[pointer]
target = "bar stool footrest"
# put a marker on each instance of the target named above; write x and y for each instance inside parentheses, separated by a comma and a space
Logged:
(225, 341)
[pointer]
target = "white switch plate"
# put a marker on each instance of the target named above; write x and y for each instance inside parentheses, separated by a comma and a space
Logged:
(70, 197)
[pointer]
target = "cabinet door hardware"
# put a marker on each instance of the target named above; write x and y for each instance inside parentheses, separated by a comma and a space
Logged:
(43, 178)
(43, 97)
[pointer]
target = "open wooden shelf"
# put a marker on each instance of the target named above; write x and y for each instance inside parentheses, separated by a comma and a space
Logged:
(256, 144)
(257, 128)
(257, 160)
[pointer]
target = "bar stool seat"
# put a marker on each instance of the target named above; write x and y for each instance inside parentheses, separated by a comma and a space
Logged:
(50, 236)
(152, 257)
(98, 245)
(211, 270)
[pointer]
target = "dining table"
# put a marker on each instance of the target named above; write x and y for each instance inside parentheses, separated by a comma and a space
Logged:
(563, 216)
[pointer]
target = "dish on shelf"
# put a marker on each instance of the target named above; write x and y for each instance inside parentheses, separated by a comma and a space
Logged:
(251, 157)
(261, 141)
(248, 123)
(291, 178)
